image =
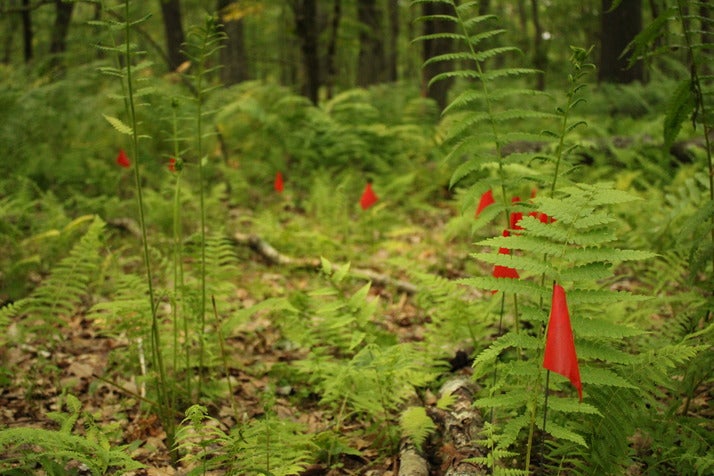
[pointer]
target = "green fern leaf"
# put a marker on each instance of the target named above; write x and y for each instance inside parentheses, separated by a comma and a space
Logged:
(118, 125)
(563, 433)
(416, 425)
(602, 376)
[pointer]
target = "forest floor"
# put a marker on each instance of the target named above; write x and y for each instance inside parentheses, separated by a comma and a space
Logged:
(82, 361)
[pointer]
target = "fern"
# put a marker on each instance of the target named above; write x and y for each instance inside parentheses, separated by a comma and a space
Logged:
(271, 445)
(416, 425)
(575, 245)
(66, 289)
(57, 451)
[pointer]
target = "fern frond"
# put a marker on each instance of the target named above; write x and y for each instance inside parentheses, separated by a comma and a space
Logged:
(271, 445)
(64, 291)
(604, 377)
(416, 425)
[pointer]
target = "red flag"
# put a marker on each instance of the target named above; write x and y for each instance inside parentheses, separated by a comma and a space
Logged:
(486, 200)
(560, 354)
(516, 216)
(504, 271)
(123, 160)
(278, 184)
(369, 198)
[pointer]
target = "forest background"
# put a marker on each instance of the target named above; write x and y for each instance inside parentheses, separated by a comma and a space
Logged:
(252, 237)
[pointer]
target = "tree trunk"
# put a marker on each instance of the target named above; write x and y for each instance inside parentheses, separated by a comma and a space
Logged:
(306, 28)
(12, 23)
(371, 62)
(173, 32)
(60, 28)
(484, 6)
(618, 29)
(331, 63)
(233, 57)
(27, 31)
(63, 16)
(540, 57)
(393, 55)
(439, 90)
(522, 15)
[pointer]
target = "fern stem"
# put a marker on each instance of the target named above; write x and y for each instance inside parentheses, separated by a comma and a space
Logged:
(700, 109)
(202, 204)
(162, 382)
(224, 356)
(545, 421)
(495, 365)
(177, 264)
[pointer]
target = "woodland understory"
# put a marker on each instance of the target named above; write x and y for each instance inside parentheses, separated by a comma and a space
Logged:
(198, 279)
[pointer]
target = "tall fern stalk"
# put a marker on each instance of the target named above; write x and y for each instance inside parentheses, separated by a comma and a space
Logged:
(162, 384)
(178, 259)
(566, 237)
(580, 67)
(207, 41)
(701, 109)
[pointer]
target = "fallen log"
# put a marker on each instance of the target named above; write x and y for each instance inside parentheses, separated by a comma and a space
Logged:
(453, 442)
(275, 257)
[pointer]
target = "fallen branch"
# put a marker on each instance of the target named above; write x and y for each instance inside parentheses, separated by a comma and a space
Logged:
(459, 426)
(273, 256)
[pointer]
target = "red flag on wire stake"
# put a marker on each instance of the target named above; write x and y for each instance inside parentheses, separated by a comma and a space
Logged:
(123, 160)
(369, 198)
(278, 184)
(504, 271)
(486, 200)
(560, 354)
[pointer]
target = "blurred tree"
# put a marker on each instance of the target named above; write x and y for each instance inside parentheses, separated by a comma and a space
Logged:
(60, 28)
(371, 63)
(173, 32)
(233, 57)
(619, 26)
(307, 29)
(438, 46)
(10, 27)
(331, 60)
(393, 51)
(27, 31)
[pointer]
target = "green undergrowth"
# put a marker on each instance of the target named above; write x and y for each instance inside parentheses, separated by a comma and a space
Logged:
(606, 212)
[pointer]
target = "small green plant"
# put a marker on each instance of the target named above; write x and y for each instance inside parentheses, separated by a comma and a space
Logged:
(269, 445)
(416, 425)
(59, 452)
(63, 293)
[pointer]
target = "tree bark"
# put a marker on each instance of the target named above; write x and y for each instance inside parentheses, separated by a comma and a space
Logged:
(540, 57)
(393, 55)
(63, 16)
(233, 57)
(306, 28)
(331, 60)
(27, 31)
(618, 29)
(371, 61)
(10, 29)
(60, 28)
(173, 32)
(439, 90)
